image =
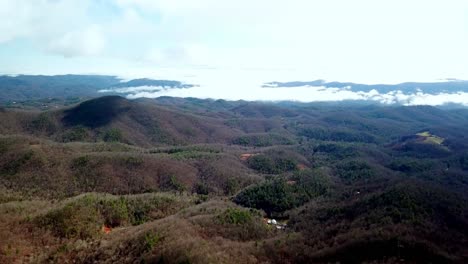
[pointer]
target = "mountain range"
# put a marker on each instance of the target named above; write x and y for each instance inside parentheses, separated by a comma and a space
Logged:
(189, 180)
(33, 87)
(446, 86)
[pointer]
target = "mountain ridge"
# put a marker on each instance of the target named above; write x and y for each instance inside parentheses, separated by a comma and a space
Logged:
(406, 87)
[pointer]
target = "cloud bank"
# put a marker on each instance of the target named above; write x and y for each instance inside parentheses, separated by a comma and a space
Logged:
(248, 85)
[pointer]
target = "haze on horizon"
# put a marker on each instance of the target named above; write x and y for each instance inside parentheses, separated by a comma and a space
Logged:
(231, 48)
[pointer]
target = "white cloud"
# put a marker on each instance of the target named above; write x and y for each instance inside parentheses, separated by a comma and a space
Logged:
(130, 23)
(88, 42)
(306, 94)
(40, 19)
(62, 27)
(247, 85)
(360, 41)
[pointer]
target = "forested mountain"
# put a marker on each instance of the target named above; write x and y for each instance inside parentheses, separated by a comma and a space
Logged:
(173, 180)
(33, 87)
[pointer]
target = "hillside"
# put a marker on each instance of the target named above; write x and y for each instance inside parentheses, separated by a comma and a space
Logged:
(114, 118)
(185, 180)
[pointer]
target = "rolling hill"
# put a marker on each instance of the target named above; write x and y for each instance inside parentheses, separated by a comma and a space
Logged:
(173, 180)
(132, 122)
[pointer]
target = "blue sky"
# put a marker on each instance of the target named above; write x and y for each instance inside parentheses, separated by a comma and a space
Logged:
(219, 42)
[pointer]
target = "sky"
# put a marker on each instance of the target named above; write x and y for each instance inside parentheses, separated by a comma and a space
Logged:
(232, 47)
